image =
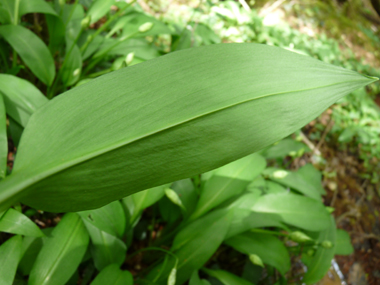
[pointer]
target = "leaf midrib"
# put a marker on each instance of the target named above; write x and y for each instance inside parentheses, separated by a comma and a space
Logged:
(36, 177)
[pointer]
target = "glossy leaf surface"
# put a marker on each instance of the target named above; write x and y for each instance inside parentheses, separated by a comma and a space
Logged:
(17, 223)
(62, 253)
(149, 120)
(10, 252)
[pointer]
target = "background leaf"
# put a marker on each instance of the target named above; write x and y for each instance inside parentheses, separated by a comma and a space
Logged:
(38, 58)
(112, 275)
(226, 277)
(343, 244)
(10, 252)
(3, 139)
(62, 253)
(17, 223)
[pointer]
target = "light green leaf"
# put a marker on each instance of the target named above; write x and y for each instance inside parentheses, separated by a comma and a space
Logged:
(10, 253)
(110, 218)
(112, 275)
(187, 193)
(21, 98)
(17, 223)
(195, 280)
(253, 97)
(320, 263)
(283, 148)
(293, 180)
(226, 277)
(228, 181)
(312, 176)
(99, 8)
(38, 58)
(73, 67)
(144, 199)
(295, 210)
(174, 198)
(343, 244)
(3, 140)
(35, 6)
(269, 248)
(256, 260)
(105, 248)
(62, 253)
(172, 276)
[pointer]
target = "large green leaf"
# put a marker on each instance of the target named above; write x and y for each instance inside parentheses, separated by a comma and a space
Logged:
(295, 210)
(3, 139)
(17, 223)
(35, 6)
(10, 253)
(62, 253)
(226, 277)
(167, 119)
(21, 98)
(343, 244)
(112, 275)
(227, 182)
(269, 248)
(38, 58)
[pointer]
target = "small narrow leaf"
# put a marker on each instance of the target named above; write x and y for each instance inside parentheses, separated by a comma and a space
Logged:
(98, 9)
(112, 275)
(17, 223)
(21, 98)
(172, 276)
(173, 196)
(295, 210)
(319, 264)
(256, 260)
(38, 58)
(252, 98)
(226, 277)
(62, 253)
(10, 252)
(3, 140)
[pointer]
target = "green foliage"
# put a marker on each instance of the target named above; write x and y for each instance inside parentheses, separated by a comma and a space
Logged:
(128, 135)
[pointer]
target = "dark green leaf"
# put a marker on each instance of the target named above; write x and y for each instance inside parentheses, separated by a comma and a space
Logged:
(112, 275)
(284, 147)
(62, 253)
(269, 248)
(3, 140)
(226, 277)
(195, 280)
(10, 253)
(153, 125)
(38, 58)
(35, 6)
(16, 223)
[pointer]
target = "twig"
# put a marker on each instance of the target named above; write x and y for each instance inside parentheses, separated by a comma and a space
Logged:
(310, 144)
(245, 5)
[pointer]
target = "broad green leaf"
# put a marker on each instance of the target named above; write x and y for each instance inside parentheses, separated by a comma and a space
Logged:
(228, 181)
(144, 199)
(293, 180)
(98, 9)
(3, 140)
(343, 244)
(10, 253)
(253, 97)
(320, 263)
(38, 58)
(268, 247)
(21, 98)
(31, 246)
(110, 218)
(35, 6)
(193, 252)
(8, 11)
(295, 210)
(312, 176)
(56, 30)
(244, 220)
(105, 248)
(112, 275)
(62, 253)
(195, 280)
(226, 277)
(17, 223)
(265, 186)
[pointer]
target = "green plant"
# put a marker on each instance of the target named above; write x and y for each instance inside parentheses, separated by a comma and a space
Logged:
(104, 142)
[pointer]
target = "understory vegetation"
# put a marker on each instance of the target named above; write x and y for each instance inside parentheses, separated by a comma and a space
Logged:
(122, 133)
